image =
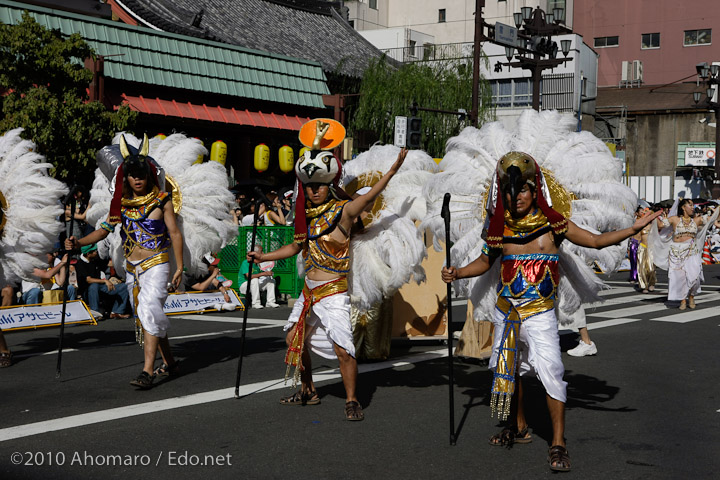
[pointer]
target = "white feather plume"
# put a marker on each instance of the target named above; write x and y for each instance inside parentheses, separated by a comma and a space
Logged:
(388, 253)
(579, 161)
(34, 207)
(204, 218)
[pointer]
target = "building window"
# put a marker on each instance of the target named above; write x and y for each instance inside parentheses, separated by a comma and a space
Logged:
(373, 4)
(428, 51)
(650, 40)
(411, 48)
(602, 42)
(441, 15)
(352, 23)
(698, 37)
(556, 4)
(511, 93)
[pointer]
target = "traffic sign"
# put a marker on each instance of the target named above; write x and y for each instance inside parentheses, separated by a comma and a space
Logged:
(506, 35)
(400, 132)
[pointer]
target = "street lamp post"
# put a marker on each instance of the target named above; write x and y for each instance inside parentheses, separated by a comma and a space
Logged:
(710, 76)
(537, 28)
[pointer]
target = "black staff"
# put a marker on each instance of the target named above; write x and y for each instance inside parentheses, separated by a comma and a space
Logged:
(248, 299)
(68, 233)
(445, 214)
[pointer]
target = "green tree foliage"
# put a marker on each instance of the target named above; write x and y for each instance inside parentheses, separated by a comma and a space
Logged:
(387, 91)
(45, 92)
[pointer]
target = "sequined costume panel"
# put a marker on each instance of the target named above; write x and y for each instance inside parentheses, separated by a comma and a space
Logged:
(139, 230)
(532, 275)
(324, 252)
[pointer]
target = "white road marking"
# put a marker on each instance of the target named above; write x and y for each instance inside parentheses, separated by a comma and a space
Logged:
(686, 317)
(218, 318)
(610, 323)
(630, 311)
(616, 290)
(100, 416)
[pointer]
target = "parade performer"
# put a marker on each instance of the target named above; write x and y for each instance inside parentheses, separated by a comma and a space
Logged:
(645, 266)
(633, 245)
(149, 230)
(30, 205)
(548, 184)
(678, 249)
(324, 220)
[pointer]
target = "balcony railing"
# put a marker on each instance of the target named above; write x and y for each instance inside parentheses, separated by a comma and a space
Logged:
(430, 52)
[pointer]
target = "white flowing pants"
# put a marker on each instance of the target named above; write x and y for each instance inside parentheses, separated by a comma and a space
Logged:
(151, 299)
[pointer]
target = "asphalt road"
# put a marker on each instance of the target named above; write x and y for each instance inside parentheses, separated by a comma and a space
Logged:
(646, 406)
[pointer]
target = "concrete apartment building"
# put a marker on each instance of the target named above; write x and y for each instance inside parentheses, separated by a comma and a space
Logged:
(648, 52)
(417, 30)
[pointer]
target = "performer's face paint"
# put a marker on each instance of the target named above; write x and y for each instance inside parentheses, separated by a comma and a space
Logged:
(137, 185)
(523, 202)
(317, 193)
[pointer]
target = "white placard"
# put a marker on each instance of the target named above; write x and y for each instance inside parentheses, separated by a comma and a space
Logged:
(44, 315)
(188, 302)
(700, 157)
(400, 132)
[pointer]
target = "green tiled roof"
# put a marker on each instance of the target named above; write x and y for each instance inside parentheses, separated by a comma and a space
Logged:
(172, 60)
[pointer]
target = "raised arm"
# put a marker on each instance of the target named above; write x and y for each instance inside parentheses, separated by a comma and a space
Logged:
(582, 237)
(353, 209)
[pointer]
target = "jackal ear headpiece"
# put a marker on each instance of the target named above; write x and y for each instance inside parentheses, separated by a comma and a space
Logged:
(118, 161)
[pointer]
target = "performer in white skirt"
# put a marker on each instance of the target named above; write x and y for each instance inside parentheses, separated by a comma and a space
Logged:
(320, 319)
(683, 259)
(148, 229)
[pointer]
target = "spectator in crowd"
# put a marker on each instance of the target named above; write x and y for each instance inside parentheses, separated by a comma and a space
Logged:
(51, 278)
(286, 206)
(274, 215)
(261, 279)
(94, 285)
(212, 281)
(5, 354)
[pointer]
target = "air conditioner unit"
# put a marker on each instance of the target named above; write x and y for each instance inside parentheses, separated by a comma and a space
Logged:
(626, 72)
(637, 71)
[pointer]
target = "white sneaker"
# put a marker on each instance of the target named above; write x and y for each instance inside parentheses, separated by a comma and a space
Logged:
(96, 315)
(258, 306)
(228, 307)
(272, 305)
(583, 349)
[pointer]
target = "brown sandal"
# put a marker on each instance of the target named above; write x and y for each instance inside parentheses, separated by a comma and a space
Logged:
(507, 437)
(558, 459)
(300, 398)
(353, 412)
(5, 359)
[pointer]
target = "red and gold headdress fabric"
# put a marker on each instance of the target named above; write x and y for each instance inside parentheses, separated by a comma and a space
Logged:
(513, 171)
(318, 165)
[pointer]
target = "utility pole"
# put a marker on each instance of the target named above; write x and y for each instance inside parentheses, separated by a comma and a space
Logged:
(479, 38)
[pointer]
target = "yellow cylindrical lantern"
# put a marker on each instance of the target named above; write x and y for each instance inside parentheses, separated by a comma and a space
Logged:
(161, 136)
(302, 152)
(262, 157)
(218, 152)
(287, 160)
(201, 156)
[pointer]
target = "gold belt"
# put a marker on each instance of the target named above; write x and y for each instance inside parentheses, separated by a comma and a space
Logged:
(148, 263)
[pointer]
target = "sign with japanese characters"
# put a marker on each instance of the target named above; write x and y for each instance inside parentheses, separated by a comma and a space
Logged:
(191, 302)
(700, 157)
(44, 315)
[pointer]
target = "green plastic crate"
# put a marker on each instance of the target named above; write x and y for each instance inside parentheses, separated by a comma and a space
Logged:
(270, 238)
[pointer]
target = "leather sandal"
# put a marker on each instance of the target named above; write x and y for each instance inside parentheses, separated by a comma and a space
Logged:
(559, 459)
(691, 302)
(300, 398)
(507, 437)
(5, 359)
(143, 381)
(353, 412)
(166, 370)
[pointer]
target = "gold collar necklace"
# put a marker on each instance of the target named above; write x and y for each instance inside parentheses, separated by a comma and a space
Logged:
(141, 201)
